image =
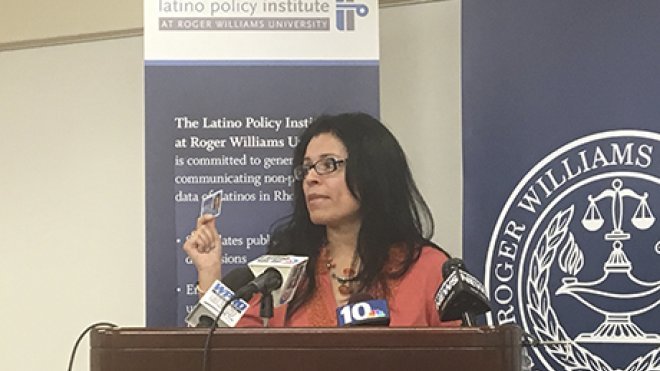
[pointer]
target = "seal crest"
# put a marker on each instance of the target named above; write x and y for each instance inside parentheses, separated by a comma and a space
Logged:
(574, 256)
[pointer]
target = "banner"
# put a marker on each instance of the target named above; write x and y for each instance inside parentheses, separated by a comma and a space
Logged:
(561, 131)
(229, 86)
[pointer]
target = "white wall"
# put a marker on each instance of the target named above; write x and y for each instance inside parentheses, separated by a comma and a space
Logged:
(72, 174)
(421, 102)
(33, 21)
(72, 215)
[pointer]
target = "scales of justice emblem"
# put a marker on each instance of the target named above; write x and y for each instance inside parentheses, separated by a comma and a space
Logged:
(573, 255)
(618, 295)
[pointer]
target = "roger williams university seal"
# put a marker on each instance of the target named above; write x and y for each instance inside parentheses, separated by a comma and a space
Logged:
(574, 257)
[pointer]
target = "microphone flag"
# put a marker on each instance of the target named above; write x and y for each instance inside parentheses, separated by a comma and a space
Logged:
(291, 268)
(212, 302)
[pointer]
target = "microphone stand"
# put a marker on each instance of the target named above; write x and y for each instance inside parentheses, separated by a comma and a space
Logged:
(467, 319)
(266, 309)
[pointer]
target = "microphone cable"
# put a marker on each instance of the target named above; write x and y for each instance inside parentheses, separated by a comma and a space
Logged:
(82, 335)
(207, 343)
(234, 280)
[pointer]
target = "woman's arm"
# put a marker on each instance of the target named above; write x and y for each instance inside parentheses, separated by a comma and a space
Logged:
(204, 249)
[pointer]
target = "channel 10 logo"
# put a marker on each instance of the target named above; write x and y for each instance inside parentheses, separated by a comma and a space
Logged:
(371, 312)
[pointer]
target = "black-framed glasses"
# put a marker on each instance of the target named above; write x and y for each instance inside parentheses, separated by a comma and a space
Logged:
(323, 166)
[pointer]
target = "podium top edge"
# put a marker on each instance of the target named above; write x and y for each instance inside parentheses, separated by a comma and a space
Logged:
(135, 337)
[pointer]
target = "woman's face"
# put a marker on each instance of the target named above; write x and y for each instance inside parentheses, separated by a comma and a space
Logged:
(328, 199)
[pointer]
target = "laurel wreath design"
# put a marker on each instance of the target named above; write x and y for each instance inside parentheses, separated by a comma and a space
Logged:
(546, 326)
(543, 317)
(651, 361)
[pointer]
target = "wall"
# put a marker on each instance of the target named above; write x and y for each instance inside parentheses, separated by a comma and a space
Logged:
(72, 216)
(72, 168)
(421, 102)
(37, 22)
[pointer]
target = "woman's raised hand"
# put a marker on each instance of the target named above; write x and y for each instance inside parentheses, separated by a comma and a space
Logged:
(204, 249)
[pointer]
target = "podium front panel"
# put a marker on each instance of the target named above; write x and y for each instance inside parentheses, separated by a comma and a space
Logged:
(322, 349)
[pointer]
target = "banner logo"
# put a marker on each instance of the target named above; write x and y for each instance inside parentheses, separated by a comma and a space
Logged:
(575, 253)
(346, 11)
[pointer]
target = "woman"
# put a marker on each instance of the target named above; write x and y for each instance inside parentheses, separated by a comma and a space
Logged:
(359, 218)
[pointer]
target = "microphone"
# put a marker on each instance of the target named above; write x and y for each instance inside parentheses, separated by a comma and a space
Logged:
(270, 269)
(461, 295)
(210, 305)
(363, 310)
(267, 282)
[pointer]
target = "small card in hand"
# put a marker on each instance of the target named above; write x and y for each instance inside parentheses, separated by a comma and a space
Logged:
(212, 203)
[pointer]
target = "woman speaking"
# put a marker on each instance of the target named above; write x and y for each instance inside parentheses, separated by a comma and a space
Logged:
(360, 219)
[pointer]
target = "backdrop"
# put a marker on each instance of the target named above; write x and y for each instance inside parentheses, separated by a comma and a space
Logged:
(562, 175)
(229, 87)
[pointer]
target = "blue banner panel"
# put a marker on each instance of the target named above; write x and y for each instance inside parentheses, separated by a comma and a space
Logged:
(230, 127)
(561, 122)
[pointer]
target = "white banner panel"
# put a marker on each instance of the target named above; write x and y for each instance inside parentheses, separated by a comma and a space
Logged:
(229, 86)
(261, 30)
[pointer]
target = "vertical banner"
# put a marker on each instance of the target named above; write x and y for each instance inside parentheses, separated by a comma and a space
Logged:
(561, 130)
(229, 86)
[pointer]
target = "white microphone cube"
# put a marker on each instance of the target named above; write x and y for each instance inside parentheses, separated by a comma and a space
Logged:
(292, 269)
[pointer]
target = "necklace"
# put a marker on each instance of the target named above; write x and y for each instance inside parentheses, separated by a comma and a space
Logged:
(346, 282)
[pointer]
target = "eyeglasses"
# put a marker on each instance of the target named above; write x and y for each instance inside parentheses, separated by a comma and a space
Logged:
(323, 166)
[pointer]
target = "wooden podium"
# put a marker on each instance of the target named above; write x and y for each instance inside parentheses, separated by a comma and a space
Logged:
(314, 349)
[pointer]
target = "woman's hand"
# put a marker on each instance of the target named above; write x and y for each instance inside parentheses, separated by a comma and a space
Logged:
(204, 249)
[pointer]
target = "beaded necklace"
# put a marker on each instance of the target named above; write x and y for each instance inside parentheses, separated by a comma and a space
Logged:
(348, 280)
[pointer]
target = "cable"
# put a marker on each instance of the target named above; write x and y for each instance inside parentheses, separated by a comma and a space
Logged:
(88, 329)
(207, 343)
